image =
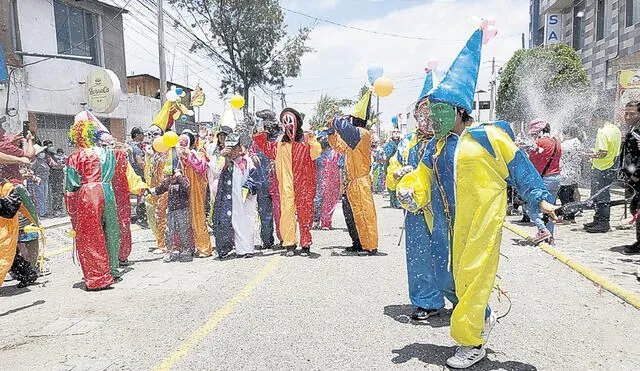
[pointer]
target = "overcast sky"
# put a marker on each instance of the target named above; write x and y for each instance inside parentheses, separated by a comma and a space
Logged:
(338, 64)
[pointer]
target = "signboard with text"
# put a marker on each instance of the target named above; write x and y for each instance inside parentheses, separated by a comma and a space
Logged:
(553, 29)
(103, 90)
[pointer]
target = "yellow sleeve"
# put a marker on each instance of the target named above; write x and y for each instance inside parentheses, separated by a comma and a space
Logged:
(337, 143)
(315, 147)
(394, 165)
(135, 182)
(419, 182)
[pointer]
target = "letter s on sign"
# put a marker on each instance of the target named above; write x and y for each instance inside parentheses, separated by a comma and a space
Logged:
(553, 20)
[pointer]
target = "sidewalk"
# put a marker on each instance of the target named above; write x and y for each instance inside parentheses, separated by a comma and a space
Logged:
(600, 252)
(50, 223)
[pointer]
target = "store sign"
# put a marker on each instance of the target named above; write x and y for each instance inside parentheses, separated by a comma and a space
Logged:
(553, 29)
(103, 90)
(628, 91)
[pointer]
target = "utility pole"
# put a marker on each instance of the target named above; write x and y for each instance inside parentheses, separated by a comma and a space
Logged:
(161, 60)
(493, 88)
(523, 41)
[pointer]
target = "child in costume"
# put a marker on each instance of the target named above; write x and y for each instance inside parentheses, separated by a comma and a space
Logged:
(329, 184)
(177, 187)
(194, 164)
(350, 137)
(235, 206)
(295, 154)
(91, 202)
(486, 155)
(156, 206)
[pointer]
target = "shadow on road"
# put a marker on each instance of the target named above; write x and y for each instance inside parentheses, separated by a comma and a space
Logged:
(37, 302)
(437, 355)
(402, 314)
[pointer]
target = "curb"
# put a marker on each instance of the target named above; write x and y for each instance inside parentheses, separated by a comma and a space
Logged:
(626, 295)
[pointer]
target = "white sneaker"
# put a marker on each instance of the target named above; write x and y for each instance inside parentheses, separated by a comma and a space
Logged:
(488, 325)
(466, 357)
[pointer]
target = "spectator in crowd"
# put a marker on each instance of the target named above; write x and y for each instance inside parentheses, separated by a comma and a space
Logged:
(41, 170)
(136, 159)
(545, 156)
(607, 148)
(570, 169)
(630, 164)
(56, 180)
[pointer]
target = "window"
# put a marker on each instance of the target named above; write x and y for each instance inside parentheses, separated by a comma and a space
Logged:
(603, 19)
(76, 31)
(14, 34)
(578, 26)
(633, 12)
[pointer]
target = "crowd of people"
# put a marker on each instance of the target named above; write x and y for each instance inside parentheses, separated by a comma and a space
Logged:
(220, 181)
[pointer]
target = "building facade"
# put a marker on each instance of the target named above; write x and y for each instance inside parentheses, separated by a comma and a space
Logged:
(50, 47)
(606, 33)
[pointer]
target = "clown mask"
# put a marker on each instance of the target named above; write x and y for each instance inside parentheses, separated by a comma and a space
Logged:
(443, 118)
(423, 119)
(154, 132)
(290, 125)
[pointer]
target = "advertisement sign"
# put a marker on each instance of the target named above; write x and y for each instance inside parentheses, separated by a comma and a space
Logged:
(103, 90)
(553, 29)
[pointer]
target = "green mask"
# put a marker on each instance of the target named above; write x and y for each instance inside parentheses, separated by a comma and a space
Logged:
(443, 118)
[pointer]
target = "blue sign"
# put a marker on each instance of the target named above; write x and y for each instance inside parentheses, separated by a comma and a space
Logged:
(3, 67)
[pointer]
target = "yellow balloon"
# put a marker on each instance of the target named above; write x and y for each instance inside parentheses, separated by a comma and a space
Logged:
(170, 139)
(159, 146)
(237, 101)
(383, 86)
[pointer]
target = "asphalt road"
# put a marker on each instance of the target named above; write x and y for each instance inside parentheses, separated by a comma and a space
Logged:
(324, 312)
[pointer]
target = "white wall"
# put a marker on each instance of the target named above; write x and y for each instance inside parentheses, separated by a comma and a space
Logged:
(140, 111)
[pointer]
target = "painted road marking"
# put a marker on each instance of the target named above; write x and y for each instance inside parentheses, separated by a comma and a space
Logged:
(218, 316)
(626, 295)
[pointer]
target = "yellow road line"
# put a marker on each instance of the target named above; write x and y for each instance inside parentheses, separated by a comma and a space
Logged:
(626, 295)
(217, 317)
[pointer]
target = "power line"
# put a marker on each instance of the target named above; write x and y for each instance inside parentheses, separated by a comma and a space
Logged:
(366, 30)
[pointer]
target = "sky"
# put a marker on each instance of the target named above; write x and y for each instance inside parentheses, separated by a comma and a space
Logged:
(341, 55)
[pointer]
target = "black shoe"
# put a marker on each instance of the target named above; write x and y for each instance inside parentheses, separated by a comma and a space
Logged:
(589, 225)
(632, 249)
(598, 228)
(125, 263)
(224, 256)
(248, 256)
(421, 314)
(373, 252)
(306, 251)
(354, 248)
(525, 219)
(277, 247)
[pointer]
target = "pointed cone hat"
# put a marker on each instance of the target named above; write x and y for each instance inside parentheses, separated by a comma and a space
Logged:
(361, 110)
(228, 119)
(459, 84)
(163, 118)
(430, 82)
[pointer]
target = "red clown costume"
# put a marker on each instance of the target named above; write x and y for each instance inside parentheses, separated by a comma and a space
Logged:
(294, 154)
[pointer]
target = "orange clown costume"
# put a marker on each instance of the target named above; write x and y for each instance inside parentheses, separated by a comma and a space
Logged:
(195, 163)
(354, 141)
(9, 227)
(294, 154)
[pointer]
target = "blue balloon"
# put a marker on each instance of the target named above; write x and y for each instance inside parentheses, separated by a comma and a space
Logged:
(374, 72)
(179, 91)
(394, 120)
(183, 117)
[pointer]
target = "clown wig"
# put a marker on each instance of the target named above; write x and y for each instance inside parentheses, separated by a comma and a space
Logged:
(84, 134)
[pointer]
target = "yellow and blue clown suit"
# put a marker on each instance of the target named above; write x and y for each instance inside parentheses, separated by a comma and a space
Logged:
(487, 160)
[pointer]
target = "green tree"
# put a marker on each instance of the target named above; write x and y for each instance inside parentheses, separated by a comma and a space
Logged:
(326, 107)
(548, 82)
(248, 41)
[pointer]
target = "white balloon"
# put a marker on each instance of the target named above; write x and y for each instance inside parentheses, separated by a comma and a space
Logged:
(171, 96)
(190, 113)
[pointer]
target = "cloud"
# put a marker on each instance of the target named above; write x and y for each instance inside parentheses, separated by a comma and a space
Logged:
(326, 4)
(338, 66)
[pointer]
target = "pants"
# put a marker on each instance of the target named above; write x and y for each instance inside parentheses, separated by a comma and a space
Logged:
(124, 222)
(56, 192)
(393, 200)
(275, 197)
(599, 180)
(302, 206)
(265, 210)
(566, 194)
(635, 207)
(351, 224)
(552, 183)
(160, 220)
(364, 211)
(42, 196)
(141, 212)
(330, 198)
(177, 222)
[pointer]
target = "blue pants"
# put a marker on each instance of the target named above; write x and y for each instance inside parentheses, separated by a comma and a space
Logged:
(42, 195)
(424, 288)
(265, 210)
(599, 180)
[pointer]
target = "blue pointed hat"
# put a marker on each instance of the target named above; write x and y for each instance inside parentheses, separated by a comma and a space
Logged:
(459, 84)
(430, 81)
